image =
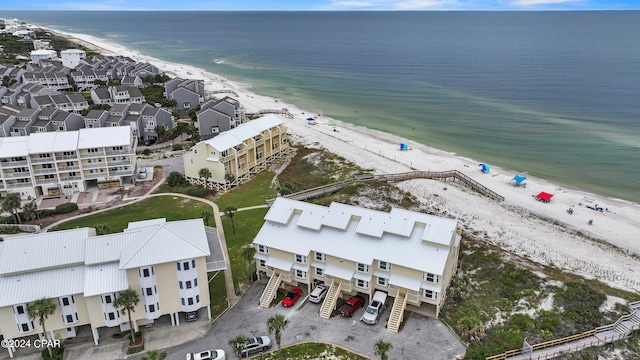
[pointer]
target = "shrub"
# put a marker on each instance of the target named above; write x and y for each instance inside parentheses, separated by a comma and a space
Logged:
(66, 208)
(146, 152)
(197, 191)
(175, 179)
(58, 353)
(177, 147)
(47, 212)
(9, 230)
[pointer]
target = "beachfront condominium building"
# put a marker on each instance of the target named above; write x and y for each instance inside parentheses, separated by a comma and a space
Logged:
(164, 262)
(410, 256)
(233, 156)
(57, 163)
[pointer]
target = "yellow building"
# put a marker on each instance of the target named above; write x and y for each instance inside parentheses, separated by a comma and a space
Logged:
(233, 156)
(410, 256)
(164, 262)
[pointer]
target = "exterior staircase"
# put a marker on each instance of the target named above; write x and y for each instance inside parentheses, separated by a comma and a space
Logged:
(269, 292)
(330, 300)
(397, 312)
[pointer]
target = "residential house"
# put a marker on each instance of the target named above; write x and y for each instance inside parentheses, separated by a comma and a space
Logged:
(71, 57)
(188, 94)
(101, 96)
(37, 55)
(411, 256)
(165, 263)
(217, 116)
(52, 163)
(6, 121)
(239, 152)
(126, 94)
(95, 119)
(132, 81)
(116, 116)
(24, 120)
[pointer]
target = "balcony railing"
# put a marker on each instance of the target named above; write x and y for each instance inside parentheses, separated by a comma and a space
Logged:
(93, 165)
(69, 168)
(119, 152)
(66, 157)
(8, 164)
(121, 173)
(118, 162)
(70, 178)
(94, 175)
(46, 181)
(19, 185)
(14, 175)
(87, 154)
(45, 171)
(42, 160)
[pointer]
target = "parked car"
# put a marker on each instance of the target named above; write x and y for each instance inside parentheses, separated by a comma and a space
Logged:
(191, 316)
(351, 305)
(142, 173)
(255, 345)
(208, 355)
(318, 293)
(375, 309)
(291, 297)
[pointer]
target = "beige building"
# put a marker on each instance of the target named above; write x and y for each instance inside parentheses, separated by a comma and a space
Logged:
(242, 151)
(409, 255)
(61, 163)
(165, 262)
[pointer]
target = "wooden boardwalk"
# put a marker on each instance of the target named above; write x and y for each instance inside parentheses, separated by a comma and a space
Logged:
(451, 175)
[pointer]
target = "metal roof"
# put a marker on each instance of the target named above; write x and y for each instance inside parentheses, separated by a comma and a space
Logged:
(14, 146)
(50, 142)
(104, 278)
(24, 288)
(106, 248)
(239, 134)
(278, 263)
(405, 282)
(338, 272)
(104, 137)
(411, 239)
(43, 251)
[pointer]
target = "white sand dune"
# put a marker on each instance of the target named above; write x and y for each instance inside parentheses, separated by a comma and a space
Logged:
(542, 232)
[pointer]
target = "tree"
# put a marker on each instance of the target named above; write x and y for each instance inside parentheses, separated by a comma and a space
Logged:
(155, 355)
(160, 131)
(275, 325)
(30, 211)
(229, 177)
(238, 342)
(102, 229)
(205, 217)
(381, 348)
(176, 179)
(126, 301)
(205, 174)
(247, 252)
(40, 310)
(11, 204)
(230, 211)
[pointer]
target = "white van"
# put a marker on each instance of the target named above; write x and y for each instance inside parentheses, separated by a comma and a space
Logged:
(375, 309)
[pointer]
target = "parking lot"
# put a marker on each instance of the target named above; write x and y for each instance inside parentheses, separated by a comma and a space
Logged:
(420, 338)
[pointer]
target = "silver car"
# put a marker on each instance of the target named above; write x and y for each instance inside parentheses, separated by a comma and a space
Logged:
(255, 345)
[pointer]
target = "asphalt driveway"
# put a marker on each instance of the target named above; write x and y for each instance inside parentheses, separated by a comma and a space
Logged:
(421, 337)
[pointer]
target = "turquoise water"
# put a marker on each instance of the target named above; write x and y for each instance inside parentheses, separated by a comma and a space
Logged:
(552, 94)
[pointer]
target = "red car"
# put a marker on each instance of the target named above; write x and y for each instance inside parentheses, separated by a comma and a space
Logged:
(291, 297)
(351, 305)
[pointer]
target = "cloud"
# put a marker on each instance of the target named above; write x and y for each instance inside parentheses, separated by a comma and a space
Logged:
(539, 2)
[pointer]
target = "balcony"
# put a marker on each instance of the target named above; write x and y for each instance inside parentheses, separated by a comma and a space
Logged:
(86, 154)
(119, 162)
(66, 157)
(70, 178)
(118, 152)
(121, 173)
(15, 175)
(19, 185)
(93, 165)
(94, 176)
(42, 160)
(69, 168)
(45, 171)
(9, 164)
(46, 181)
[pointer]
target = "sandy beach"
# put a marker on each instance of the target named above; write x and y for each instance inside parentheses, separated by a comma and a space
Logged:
(608, 250)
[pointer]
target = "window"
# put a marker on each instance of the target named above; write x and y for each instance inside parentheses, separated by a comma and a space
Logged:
(152, 308)
(49, 176)
(263, 249)
(321, 256)
(193, 263)
(383, 265)
(188, 284)
(215, 129)
(107, 299)
(20, 309)
(44, 156)
(195, 282)
(362, 267)
(319, 272)
(25, 327)
(145, 272)
(185, 265)
(190, 301)
(180, 284)
(429, 294)
(152, 123)
(262, 263)
(47, 166)
(178, 265)
(69, 319)
(197, 299)
(92, 150)
(112, 316)
(149, 291)
(65, 301)
(301, 274)
(186, 105)
(115, 148)
(382, 281)
(301, 259)
(182, 300)
(362, 284)
(431, 278)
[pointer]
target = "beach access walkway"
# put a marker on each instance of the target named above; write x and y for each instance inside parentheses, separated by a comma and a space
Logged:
(619, 330)
(451, 175)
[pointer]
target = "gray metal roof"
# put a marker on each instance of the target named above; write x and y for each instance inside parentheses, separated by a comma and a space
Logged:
(411, 239)
(104, 278)
(239, 134)
(24, 288)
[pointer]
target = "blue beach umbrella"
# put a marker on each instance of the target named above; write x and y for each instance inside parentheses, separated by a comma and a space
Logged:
(519, 179)
(484, 168)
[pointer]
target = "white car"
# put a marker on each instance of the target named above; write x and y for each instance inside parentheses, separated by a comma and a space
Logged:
(142, 173)
(207, 355)
(318, 293)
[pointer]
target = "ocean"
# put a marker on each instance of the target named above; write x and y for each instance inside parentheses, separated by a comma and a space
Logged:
(550, 94)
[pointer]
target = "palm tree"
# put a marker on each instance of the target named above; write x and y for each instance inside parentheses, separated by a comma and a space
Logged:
(155, 355)
(127, 301)
(40, 310)
(230, 211)
(247, 252)
(11, 204)
(205, 174)
(275, 325)
(238, 342)
(30, 211)
(205, 217)
(381, 348)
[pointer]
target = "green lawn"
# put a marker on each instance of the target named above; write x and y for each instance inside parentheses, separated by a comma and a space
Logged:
(217, 294)
(248, 224)
(170, 207)
(254, 192)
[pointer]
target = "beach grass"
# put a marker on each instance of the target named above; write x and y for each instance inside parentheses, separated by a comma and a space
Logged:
(313, 350)
(170, 207)
(252, 193)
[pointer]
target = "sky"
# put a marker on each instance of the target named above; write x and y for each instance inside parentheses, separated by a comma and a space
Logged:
(328, 5)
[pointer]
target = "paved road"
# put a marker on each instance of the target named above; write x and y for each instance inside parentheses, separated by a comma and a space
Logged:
(421, 338)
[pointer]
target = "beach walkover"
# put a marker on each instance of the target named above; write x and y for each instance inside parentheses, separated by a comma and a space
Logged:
(451, 175)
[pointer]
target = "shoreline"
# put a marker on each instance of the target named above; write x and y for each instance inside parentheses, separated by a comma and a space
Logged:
(529, 228)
